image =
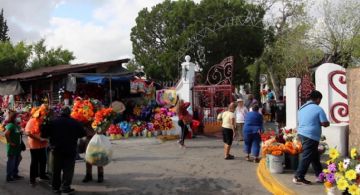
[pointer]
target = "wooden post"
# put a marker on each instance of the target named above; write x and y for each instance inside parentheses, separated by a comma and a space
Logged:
(31, 94)
(51, 92)
(110, 92)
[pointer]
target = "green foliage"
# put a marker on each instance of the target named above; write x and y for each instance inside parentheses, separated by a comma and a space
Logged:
(340, 29)
(3, 28)
(42, 57)
(133, 66)
(160, 33)
(157, 36)
(13, 58)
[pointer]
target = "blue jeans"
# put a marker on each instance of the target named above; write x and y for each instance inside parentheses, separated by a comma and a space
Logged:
(310, 155)
(12, 166)
(252, 143)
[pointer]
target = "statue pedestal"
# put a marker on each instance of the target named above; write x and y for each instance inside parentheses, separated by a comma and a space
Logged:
(337, 137)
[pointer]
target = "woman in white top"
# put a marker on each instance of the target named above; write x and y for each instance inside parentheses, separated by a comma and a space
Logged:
(228, 129)
(240, 113)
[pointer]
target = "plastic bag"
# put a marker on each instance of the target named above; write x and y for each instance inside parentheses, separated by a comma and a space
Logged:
(98, 151)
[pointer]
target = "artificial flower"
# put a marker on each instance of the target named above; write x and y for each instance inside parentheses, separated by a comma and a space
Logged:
(326, 171)
(357, 169)
(350, 174)
(332, 167)
(341, 166)
(333, 154)
(347, 162)
(342, 184)
(328, 184)
(354, 189)
(339, 176)
(330, 178)
(353, 153)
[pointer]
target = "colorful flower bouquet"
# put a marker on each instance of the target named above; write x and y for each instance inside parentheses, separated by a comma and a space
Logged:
(342, 173)
(83, 111)
(289, 134)
(114, 131)
(41, 116)
(272, 147)
(102, 120)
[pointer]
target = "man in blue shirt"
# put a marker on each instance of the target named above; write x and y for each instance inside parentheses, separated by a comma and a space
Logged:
(311, 117)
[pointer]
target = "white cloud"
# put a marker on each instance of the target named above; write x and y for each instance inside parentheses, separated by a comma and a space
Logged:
(106, 37)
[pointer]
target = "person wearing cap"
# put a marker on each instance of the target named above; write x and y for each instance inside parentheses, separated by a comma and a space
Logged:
(63, 133)
(240, 113)
(311, 118)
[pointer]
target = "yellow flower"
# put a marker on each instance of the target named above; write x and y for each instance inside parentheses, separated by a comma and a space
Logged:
(353, 189)
(328, 162)
(339, 176)
(326, 171)
(353, 153)
(342, 184)
(350, 174)
(341, 166)
(333, 153)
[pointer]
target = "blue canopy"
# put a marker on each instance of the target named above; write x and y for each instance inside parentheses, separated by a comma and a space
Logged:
(103, 79)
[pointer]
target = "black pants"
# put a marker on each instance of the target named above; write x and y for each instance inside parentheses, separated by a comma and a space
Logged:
(184, 131)
(310, 155)
(38, 163)
(65, 163)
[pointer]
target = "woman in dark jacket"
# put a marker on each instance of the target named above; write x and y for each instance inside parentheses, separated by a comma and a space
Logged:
(184, 120)
(252, 128)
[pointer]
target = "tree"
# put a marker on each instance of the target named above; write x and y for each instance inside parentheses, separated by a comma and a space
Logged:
(337, 30)
(3, 28)
(13, 58)
(286, 50)
(159, 34)
(42, 57)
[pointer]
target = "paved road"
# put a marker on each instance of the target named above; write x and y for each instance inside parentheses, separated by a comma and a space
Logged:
(147, 166)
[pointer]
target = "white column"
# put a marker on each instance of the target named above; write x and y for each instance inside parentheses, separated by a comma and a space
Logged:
(183, 89)
(292, 99)
(331, 95)
(331, 82)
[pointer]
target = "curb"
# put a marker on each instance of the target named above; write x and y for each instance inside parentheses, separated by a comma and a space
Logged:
(270, 182)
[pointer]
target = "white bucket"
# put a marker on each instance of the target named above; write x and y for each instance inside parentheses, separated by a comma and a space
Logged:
(275, 163)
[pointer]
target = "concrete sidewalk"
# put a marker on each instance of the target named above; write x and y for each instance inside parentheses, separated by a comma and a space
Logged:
(282, 183)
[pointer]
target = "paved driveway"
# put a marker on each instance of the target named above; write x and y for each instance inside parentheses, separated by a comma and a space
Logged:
(148, 166)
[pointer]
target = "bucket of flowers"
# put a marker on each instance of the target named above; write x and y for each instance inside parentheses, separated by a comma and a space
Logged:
(342, 174)
(274, 152)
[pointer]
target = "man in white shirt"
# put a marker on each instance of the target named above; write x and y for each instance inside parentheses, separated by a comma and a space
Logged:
(240, 113)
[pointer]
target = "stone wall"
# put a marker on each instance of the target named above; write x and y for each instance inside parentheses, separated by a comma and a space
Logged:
(353, 81)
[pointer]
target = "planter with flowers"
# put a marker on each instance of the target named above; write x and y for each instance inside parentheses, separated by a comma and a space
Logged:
(342, 173)
(274, 153)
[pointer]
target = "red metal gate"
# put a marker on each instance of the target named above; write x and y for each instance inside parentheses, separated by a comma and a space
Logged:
(213, 98)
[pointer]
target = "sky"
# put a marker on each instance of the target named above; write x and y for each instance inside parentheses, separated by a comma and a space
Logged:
(95, 30)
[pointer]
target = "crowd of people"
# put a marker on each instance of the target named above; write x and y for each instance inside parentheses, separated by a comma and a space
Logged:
(53, 149)
(244, 120)
(54, 146)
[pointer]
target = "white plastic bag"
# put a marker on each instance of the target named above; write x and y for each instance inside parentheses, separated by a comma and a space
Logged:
(98, 151)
